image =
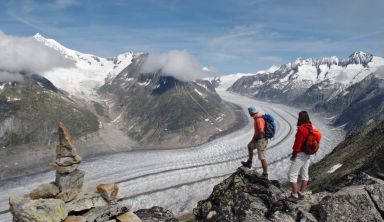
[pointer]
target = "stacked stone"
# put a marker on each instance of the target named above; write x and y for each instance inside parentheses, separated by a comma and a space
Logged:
(69, 179)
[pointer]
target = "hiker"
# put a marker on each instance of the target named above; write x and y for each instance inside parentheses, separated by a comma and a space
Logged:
(299, 159)
(258, 142)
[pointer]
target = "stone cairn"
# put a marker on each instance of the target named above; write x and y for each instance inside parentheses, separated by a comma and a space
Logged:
(65, 199)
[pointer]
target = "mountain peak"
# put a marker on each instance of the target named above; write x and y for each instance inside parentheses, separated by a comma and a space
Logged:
(38, 36)
(360, 57)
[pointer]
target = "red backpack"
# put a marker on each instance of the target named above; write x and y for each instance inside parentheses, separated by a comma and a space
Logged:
(312, 143)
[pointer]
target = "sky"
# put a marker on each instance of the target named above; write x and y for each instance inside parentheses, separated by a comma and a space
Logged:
(226, 36)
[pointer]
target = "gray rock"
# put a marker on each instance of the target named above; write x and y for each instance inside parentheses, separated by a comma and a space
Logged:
(49, 190)
(349, 204)
(67, 181)
(70, 184)
(99, 214)
(41, 210)
(376, 193)
(244, 196)
(85, 201)
(157, 214)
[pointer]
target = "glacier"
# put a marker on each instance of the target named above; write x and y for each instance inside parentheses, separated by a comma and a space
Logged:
(177, 178)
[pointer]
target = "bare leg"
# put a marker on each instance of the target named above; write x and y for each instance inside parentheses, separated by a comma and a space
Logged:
(250, 151)
(264, 164)
(304, 184)
(294, 187)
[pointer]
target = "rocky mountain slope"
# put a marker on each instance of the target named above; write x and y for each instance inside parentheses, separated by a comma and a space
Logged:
(358, 153)
(158, 110)
(339, 87)
(30, 111)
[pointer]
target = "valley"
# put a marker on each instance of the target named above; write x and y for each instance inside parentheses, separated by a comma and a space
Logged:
(177, 179)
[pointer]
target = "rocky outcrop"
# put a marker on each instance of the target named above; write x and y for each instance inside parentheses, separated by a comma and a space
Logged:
(245, 196)
(349, 204)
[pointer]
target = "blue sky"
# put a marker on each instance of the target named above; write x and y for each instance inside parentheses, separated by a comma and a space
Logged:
(228, 36)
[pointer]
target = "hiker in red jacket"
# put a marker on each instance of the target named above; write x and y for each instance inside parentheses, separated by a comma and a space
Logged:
(300, 160)
(258, 142)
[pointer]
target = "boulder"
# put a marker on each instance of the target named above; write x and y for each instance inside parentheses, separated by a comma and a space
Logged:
(49, 190)
(75, 219)
(108, 191)
(128, 217)
(85, 201)
(349, 204)
(99, 214)
(156, 214)
(41, 210)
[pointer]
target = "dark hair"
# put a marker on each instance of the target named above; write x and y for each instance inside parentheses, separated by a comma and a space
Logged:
(303, 118)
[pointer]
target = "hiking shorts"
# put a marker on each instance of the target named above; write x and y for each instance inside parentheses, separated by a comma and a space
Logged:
(261, 146)
(299, 165)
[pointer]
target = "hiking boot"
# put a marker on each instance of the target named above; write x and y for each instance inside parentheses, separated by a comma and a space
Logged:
(292, 198)
(301, 195)
(265, 176)
(304, 194)
(247, 163)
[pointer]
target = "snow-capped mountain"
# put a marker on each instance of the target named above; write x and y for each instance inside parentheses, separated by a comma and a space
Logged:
(327, 84)
(158, 110)
(89, 73)
(296, 77)
(227, 81)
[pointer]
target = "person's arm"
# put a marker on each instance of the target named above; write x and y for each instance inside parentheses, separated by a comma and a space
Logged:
(299, 140)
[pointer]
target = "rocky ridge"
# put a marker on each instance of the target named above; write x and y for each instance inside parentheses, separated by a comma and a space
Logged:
(245, 196)
(67, 200)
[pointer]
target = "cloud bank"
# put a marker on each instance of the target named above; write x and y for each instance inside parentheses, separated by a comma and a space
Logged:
(26, 54)
(179, 64)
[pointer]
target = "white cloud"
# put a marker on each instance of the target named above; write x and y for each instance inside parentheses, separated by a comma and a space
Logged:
(26, 54)
(380, 72)
(179, 64)
(10, 77)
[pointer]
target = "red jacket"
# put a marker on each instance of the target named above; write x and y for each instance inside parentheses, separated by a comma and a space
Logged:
(301, 135)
